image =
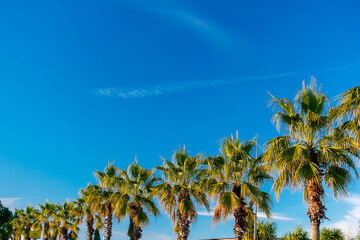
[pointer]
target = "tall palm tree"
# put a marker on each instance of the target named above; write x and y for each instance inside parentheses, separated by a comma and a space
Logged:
(110, 183)
(46, 212)
(137, 194)
(311, 152)
(26, 220)
(181, 190)
(348, 110)
(85, 208)
(233, 178)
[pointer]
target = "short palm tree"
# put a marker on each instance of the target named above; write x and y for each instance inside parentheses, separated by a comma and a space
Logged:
(26, 220)
(233, 179)
(104, 200)
(331, 234)
(311, 152)
(181, 190)
(65, 220)
(85, 208)
(55, 228)
(46, 212)
(297, 234)
(266, 230)
(137, 194)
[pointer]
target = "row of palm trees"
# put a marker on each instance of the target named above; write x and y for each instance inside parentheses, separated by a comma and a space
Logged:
(318, 148)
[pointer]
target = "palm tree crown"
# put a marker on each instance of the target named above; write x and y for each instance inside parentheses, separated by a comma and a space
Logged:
(348, 111)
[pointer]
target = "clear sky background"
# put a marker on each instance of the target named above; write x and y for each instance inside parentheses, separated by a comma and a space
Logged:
(83, 83)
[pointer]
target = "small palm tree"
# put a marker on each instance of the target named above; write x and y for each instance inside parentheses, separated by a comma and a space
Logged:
(331, 234)
(233, 179)
(266, 230)
(181, 190)
(65, 220)
(46, 212)
(105, 198)
(311, 151)
(85, 208)
(137, 194)
(298, 234)
(55, 228)
(26, 220)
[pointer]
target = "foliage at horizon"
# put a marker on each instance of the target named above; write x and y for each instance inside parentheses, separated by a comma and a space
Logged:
(299, 233)
(5, 217)
(331, 234)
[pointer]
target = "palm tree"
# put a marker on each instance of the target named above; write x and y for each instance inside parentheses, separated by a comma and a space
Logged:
(297, 234)
(65, 220)
(331, 234)
(137, 194)
(26, 220)
(110, 183)
(348, 109)
(55, 228)
(85, 207)
(233, 178)
(46, 212)
(181, 190)
(266, 230)
(311, 151)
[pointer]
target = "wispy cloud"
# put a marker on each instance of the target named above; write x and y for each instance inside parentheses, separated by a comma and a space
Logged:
(202, 27)
(177, 87)
(174, 87)
(9, 202)
(191, 20)
(276, 216)
(349, 223)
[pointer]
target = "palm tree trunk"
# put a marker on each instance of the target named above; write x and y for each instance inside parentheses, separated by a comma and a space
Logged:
(255, 221)
(27, 235)
(240, 214)
(135, 232)
(316, 211)
(315, 231)
(46, 231)
(64, 233)
(90, 229)
(183, 225)
(108, 221)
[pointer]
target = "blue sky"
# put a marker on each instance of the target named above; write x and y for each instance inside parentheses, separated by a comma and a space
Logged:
(83, 83)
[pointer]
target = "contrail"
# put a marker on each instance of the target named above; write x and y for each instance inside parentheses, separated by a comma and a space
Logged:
(174, 87)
